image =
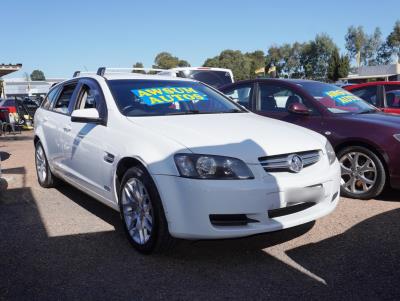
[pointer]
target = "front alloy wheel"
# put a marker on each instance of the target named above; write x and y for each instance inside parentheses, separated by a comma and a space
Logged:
(363, 175)
(142, 212)
(137, 211)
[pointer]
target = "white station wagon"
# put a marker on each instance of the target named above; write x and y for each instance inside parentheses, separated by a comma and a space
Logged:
(179, 159)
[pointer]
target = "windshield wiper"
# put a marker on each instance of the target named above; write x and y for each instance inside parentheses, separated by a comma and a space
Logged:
(184, 112)
(368, 111)
(235, 111)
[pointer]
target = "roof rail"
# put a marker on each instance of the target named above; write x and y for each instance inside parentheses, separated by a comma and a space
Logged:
(76, 73)
(102, 70)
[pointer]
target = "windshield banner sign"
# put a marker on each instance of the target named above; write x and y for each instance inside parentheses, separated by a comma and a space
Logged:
(342, 97)
(155, 96)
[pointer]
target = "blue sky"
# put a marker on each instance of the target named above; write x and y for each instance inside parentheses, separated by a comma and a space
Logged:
(59, 37)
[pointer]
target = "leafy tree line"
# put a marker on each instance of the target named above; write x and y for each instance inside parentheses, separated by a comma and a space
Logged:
(318, 59)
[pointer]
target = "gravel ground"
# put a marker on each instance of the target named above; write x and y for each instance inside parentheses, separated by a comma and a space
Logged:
(62, 244)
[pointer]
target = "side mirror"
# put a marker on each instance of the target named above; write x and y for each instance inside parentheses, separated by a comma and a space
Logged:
(86, 116)
(298, 108)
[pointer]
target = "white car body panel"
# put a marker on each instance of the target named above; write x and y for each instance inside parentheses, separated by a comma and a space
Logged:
(76, 153)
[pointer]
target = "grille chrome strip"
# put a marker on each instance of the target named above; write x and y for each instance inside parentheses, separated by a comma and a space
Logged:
(281, 162)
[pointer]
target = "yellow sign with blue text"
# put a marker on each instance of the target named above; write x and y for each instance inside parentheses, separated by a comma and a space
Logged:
(155, 96)
(342, 97)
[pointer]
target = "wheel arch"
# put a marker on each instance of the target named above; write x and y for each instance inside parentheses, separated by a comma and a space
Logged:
(122, 166)
(36, 139)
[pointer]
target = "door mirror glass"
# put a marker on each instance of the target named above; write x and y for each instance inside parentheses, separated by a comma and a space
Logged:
(298, 108)
(86, 116)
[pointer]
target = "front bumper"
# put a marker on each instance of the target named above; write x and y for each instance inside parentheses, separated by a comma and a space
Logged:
(188, 203)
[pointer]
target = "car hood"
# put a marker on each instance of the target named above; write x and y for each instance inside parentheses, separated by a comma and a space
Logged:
(381, 119)
(246, 136)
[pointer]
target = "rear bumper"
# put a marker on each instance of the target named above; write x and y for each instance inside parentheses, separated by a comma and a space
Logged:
(189, 204)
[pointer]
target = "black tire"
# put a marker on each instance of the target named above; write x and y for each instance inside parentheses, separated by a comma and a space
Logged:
(379, 182)
(160, 240)
(49, 180)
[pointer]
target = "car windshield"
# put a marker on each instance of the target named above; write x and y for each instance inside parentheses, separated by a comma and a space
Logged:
(337, 100)
(213, 78)
(168, 97)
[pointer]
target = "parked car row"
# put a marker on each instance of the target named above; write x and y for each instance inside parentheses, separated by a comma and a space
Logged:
(365, 139)
(179, 159)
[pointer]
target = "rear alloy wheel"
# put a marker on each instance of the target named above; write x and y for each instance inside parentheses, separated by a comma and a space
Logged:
(142, 213)
(363, 174)
(45, 177)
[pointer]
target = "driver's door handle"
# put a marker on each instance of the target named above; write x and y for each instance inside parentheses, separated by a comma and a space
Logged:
(67, 128)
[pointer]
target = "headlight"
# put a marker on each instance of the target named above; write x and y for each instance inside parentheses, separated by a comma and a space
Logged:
(330, 152)
(212, 167)
(397, 137)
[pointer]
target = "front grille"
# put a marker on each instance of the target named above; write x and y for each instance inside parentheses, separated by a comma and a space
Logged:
(281, 162)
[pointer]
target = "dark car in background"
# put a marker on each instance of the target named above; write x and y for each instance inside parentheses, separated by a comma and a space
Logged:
(383, 95)
(22, 110)
(367, 141)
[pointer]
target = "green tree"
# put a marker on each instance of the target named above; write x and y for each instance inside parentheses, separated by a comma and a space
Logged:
(165, 60)
(235, 60)
(384, 55)
(333, 66)
(315, 56)
(355, 40)
(286, 59)
(37, 75)
(344, 66)
(369, 54)
(138, 65)
(275, 57)
(362, 46)
(257, 61)
(393, 40)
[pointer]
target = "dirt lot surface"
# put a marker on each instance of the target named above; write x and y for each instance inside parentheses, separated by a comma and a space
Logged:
(61, 244)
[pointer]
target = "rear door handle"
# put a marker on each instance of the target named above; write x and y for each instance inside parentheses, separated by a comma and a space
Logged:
(67, 128)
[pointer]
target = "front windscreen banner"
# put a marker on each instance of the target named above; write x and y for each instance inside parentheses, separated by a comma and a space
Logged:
(162, 95)
(168, 97)
(342, 97)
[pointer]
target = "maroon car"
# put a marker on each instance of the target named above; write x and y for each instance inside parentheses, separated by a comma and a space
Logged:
(367, 141)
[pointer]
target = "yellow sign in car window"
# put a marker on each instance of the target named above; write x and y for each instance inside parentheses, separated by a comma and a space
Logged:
(342, 97)
(155, 96)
